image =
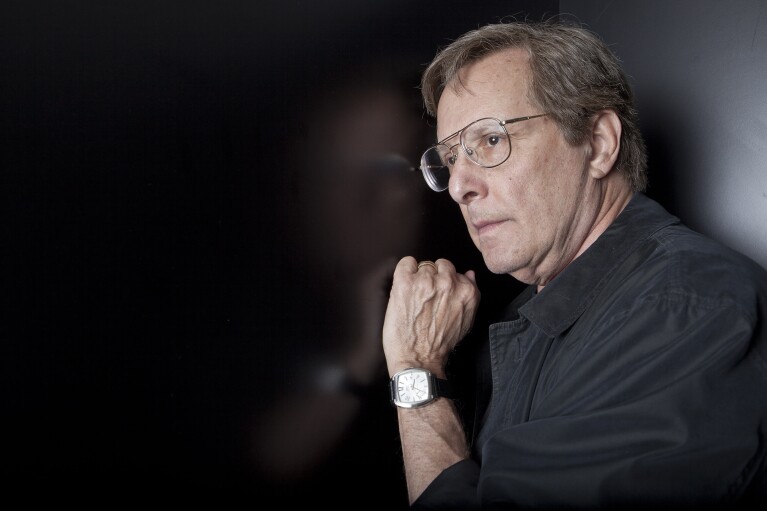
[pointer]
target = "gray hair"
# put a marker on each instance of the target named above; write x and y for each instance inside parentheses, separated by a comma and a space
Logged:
(574, 76)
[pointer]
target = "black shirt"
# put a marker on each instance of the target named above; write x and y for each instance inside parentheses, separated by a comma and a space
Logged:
(637, 377)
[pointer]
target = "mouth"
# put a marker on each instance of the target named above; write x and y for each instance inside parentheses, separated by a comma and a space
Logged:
(486, 226)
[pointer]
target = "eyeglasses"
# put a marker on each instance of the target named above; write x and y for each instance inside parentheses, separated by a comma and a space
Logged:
(485, 141)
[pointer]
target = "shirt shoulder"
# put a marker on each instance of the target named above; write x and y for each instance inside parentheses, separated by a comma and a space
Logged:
(688, 266)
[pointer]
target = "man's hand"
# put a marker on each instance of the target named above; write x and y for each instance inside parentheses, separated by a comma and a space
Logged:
(430, 310)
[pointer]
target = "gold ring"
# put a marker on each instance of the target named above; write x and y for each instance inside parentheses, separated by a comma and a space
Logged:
(427, 263)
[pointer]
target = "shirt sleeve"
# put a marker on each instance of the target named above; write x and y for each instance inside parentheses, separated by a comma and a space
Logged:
(454, 488)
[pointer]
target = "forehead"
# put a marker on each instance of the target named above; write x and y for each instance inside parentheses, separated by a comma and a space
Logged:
(494, 86)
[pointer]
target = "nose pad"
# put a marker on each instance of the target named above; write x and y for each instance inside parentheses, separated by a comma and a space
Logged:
(453, 158)
(468, 151)
(471, 154)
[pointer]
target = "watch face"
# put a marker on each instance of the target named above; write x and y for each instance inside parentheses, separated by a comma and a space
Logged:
(413, 387)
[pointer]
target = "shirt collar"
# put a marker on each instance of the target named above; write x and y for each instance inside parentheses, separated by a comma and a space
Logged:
(566, 297)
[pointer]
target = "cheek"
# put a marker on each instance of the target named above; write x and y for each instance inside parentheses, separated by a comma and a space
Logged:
(540, 194)
(558, 173)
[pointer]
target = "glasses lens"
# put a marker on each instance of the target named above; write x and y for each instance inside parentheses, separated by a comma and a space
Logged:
(434, 167)
(486, 142)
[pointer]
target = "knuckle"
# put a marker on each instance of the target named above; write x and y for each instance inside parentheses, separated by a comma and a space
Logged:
(469, 293)
(444, 283)
(424, 286)
(423, 279)
(401, 283)
(446, 264)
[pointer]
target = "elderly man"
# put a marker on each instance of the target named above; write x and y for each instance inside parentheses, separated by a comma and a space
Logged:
(633, 369)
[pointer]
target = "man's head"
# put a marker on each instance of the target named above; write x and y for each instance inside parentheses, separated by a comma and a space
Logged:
(533, 213)
(573, 76)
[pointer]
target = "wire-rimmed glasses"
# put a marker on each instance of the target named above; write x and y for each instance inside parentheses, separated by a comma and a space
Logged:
(485, 141)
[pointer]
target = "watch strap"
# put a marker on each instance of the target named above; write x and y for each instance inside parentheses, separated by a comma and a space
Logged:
(442, 388)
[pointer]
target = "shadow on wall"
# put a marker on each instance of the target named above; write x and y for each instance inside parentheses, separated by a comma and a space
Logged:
(665, 157)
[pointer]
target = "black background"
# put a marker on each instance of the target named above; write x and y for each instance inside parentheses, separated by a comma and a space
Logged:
(142, 156)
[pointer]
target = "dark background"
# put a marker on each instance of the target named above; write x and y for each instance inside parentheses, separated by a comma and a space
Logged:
(145, 158)
(146, 169)
(699, 70)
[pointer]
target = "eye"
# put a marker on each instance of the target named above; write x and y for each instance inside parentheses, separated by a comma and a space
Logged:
(493, 139)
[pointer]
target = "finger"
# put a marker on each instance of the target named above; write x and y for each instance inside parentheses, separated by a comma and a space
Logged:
(406, 265)
(445, 265)
(471, 276)
(429, 266)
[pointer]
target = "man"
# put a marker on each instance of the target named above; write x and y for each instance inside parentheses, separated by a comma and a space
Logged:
(633, 370)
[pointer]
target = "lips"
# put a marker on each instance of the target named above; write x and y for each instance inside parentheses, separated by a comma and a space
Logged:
(486, 226)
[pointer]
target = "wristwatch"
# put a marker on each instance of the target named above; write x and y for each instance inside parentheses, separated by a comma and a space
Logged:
(416, 387)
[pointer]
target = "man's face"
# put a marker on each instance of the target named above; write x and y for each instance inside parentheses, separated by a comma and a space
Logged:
(529, 215)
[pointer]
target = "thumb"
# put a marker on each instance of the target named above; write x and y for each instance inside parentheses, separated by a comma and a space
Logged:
(472, 277)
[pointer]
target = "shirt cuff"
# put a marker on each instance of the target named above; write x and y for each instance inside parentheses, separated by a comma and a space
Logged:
(454, 488)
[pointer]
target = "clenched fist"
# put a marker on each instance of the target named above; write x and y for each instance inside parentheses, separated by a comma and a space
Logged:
(430, 310)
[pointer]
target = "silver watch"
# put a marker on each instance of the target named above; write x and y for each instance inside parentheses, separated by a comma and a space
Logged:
(416, 387)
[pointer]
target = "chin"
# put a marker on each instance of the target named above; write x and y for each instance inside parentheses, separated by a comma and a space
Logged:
(498, 266)
(517, 270)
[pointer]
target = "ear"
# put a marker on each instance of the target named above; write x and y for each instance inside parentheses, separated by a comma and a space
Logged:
(605, 143)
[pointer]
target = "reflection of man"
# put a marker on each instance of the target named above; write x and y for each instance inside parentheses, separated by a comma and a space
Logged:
(633, 370)
(350, 190)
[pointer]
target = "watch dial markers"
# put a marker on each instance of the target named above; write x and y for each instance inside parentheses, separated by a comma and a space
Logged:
(412, 387)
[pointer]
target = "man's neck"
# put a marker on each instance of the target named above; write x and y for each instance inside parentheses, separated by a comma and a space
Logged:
(615, 200)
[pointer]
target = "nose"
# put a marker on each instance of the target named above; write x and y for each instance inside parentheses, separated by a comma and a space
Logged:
(467, 181)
